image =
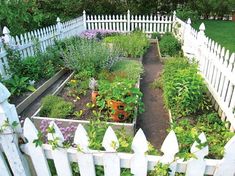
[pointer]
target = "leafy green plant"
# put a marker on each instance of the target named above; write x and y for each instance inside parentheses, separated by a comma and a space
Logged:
(160, 170)
(55, 107)
(169, 45)
(187, 131)
(184, 88)
(133, 44)
(18, 85)
(83, 54)
(156, 35)
(123, 90)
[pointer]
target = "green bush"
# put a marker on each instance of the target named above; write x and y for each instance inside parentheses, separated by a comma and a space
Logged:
(84, 54)
(55, 107)
(184, 89)
(62, 109)
(134, 44)
(186, 12)
(169, 45)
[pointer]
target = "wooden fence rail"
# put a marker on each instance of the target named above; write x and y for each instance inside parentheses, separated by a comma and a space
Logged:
(138, 161)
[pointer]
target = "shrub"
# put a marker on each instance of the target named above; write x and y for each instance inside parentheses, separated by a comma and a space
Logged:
(169, 45)
(184, 89)
(186, 12)
(62, 109)
(55, 107)
(89, 55)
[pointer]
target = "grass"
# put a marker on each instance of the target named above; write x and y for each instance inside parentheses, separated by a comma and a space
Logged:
(222, 32)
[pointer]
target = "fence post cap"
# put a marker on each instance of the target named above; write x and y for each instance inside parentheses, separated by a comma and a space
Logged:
(128, 11)
(5, 30)
(202, 27)
(189, 21)
(57, 19)
(174, 13)
(4, 93)
(84, 12)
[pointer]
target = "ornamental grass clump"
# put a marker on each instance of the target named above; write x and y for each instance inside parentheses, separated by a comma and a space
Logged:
(184, 89)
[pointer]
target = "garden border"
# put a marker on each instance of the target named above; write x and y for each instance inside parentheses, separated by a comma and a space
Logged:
(34, 95)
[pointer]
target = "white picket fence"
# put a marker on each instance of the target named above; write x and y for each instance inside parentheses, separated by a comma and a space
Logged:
(126, 23)
(26, 43)
(139, 163)
(216, 65)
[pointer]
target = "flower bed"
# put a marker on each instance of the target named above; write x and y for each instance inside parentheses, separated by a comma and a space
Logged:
(116, 79)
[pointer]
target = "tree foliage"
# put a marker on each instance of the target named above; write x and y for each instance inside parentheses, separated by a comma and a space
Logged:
(25, 15)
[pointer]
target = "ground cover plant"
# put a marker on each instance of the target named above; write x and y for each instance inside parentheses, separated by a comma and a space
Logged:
(220, 31)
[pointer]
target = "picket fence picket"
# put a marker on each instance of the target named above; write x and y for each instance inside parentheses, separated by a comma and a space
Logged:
(196, 166)
(59, 154)
(36, 152)
(111, 159)
(3, 166)
(84, 158)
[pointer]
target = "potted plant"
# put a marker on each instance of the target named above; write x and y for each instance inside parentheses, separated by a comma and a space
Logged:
(93, 85)
(120, 97)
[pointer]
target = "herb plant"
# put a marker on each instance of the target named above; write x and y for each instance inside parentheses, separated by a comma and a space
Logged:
(169, 45)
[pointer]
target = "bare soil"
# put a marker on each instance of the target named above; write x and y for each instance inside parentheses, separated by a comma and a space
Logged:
(155, 120)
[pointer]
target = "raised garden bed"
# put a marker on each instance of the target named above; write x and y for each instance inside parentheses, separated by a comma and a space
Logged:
(190, 109)
(28, 98)
(84, 104)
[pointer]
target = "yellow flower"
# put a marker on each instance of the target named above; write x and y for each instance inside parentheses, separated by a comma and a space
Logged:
(73, 81)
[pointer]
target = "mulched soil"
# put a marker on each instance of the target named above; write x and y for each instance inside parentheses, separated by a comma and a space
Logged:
(155, 120)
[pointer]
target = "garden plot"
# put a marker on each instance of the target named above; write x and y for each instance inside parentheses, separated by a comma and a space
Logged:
(105, 86)
(186, 96)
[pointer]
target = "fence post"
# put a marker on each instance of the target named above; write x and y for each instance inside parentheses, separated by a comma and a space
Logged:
(187, 41)
(10, 132)
(84, 20)
(174, 16)
(128, 21)
(59, 28)
(200, 45)
(6, 35)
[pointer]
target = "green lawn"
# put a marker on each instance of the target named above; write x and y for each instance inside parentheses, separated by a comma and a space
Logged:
(222, 32)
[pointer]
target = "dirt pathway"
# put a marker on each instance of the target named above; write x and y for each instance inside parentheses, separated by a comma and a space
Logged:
(154, 121)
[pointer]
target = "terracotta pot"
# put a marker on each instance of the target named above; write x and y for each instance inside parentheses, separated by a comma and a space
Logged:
(116, 105)
(119, 116)
(94, 94)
